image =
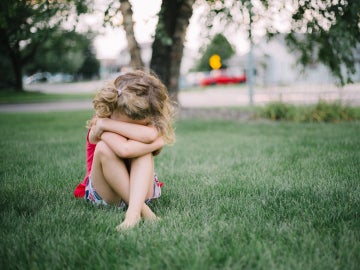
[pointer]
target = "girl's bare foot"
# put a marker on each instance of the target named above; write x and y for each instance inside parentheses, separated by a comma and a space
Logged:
(152, 220)
(128, 223)
(147, 213)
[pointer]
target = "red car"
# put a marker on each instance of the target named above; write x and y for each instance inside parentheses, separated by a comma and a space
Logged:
(222, 79)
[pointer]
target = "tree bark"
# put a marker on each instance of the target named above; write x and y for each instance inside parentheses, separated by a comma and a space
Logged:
(167, 48)
(14, 55)
(128, 23)
(17, 66)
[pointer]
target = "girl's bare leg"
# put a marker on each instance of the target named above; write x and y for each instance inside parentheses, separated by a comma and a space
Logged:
(111, 178)
(109, 175)
(141, 188)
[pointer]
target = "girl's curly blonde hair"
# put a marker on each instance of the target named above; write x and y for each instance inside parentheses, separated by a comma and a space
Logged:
(138, 95)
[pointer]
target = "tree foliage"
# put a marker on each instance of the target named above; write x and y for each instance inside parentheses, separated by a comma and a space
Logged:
(219, 45)
(90, 67)
(323, 31)
(65, 52)
(329, 32)
(317, 31)
(25, 25)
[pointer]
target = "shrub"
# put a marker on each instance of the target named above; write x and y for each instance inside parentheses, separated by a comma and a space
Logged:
(321, 112)
(329, 112)
(278, 111)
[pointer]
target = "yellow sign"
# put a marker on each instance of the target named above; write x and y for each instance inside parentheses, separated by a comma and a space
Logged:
(215, 61)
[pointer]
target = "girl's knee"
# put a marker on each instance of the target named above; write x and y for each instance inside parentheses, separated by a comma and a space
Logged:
(145, 159)
(103, 150)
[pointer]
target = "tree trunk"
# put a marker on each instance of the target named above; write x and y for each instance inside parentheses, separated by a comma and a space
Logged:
(167, 48)
(12, 52)
(15, 57)
(18, 76)
(134, 49)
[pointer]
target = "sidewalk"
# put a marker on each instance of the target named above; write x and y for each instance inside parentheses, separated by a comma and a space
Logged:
(226, 96)
(298, 95)
(47, 106)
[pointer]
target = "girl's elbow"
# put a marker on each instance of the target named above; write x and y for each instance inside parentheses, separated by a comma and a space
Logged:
(122, 152)
(152, 136)
(93, 140)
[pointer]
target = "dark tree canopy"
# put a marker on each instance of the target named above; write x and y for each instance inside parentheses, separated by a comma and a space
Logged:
(65, 52)
(25, 25)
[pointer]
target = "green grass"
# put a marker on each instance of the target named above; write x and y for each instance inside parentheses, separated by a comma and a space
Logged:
(255, 195)
(12, 97)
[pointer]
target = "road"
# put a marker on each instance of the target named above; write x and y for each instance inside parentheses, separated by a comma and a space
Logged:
(229, 95)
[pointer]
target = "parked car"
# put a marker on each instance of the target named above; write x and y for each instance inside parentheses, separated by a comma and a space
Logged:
(46, 77)
(222, 79)
(38, 78)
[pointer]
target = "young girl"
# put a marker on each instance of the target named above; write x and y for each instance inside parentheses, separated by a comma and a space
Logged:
(133, 122)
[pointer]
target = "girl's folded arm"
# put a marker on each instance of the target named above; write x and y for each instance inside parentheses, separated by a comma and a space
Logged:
(125, 148)
(94, 135)
(141, 133)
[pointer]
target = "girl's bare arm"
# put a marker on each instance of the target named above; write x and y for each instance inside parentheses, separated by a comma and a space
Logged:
(137, 132)
(127, 148)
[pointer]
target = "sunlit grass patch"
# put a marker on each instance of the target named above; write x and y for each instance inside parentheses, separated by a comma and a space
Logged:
(274, 195)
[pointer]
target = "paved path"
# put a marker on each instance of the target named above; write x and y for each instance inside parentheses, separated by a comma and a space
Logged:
(207, 97)
(301, 94)
(47, 106)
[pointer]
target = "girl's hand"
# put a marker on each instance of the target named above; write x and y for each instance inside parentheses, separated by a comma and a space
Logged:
(160, 143)
(96, 129)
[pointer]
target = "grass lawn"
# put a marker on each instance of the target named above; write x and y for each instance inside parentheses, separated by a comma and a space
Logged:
(12, 97)
(237, 195)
